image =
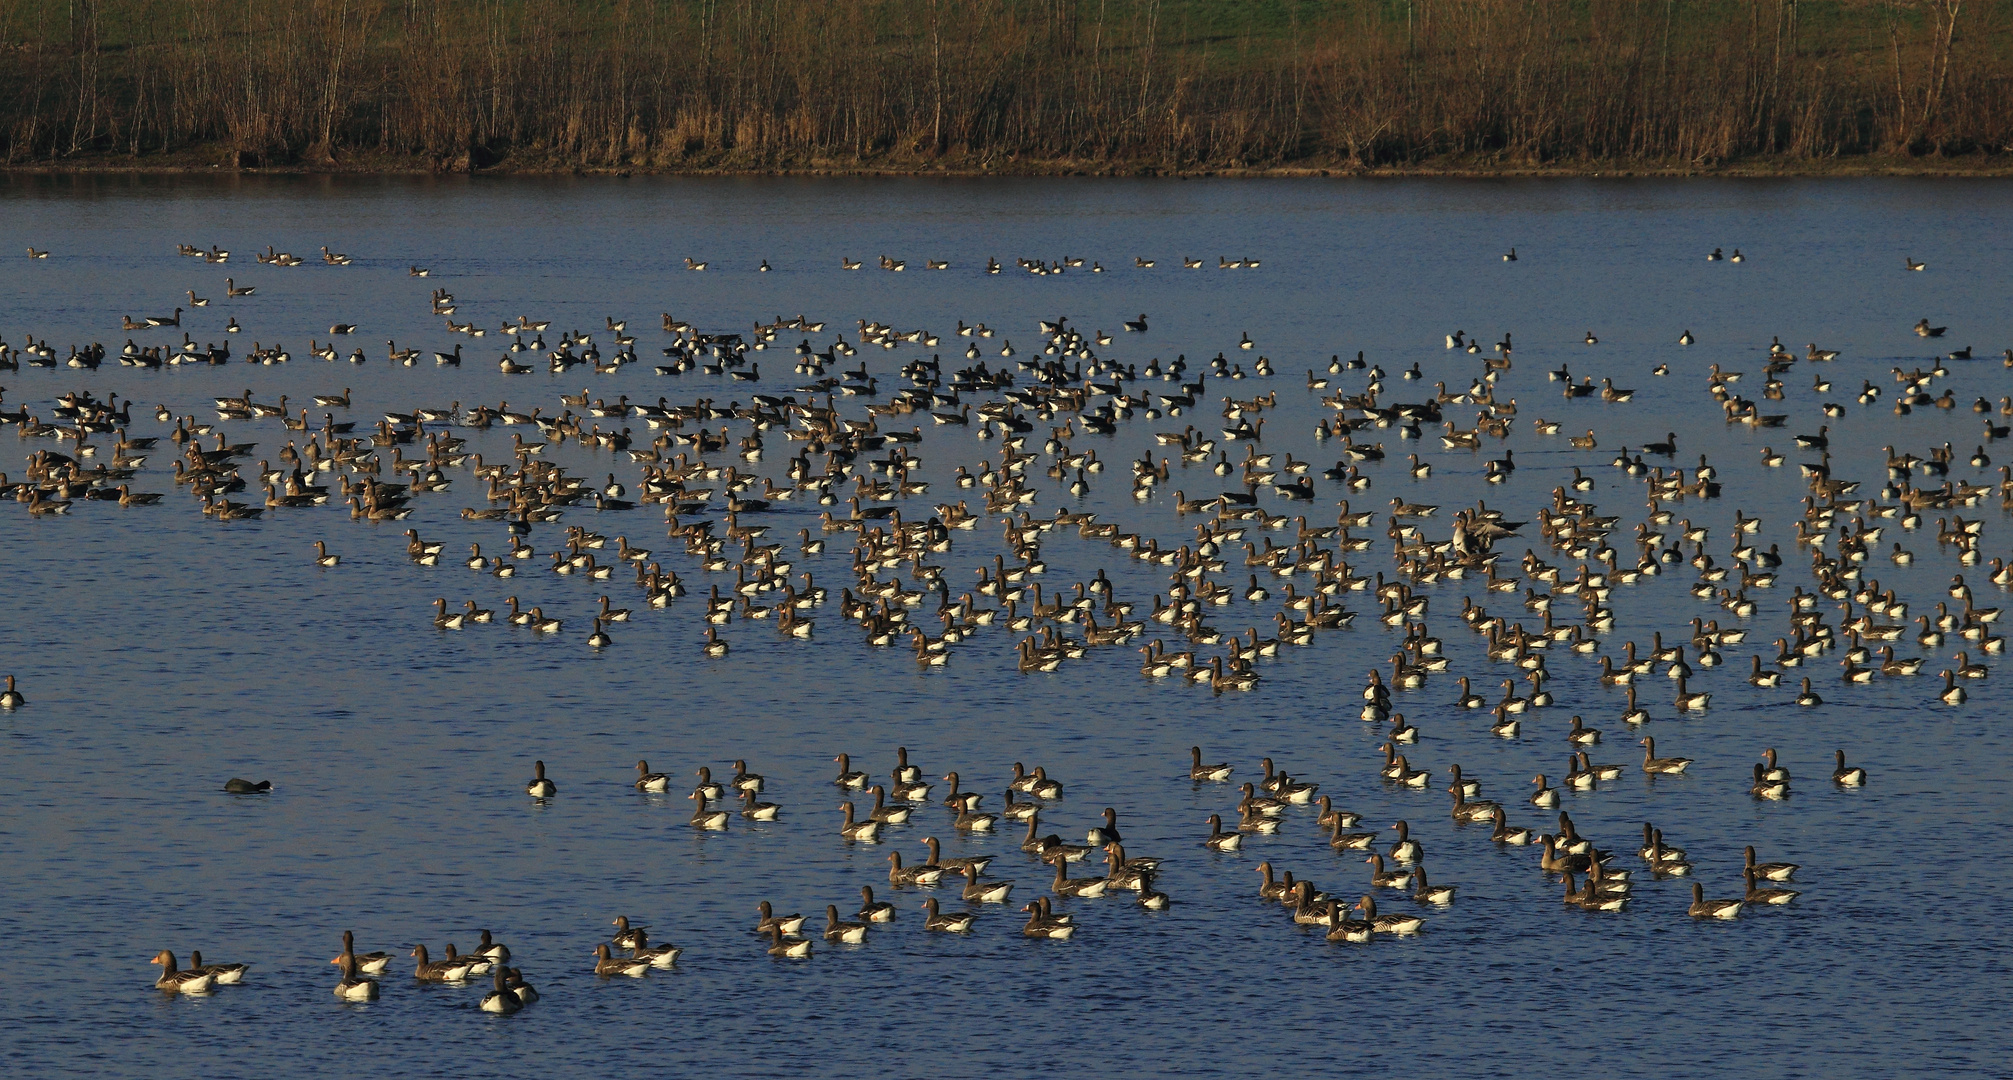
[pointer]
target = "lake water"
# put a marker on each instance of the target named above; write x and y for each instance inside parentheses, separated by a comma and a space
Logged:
(163, 652)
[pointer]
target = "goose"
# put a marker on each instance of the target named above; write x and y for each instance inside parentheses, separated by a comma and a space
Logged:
(1108, 832)
(1218, 840)
(1775, 871)
(225, 974)
(501, 1000)
(1042, 924)
(1137, 326)
(1591, 899)
(904, 876)
(181, 982)
(711, 789)
(978, 891)
(970, 820)
(232, 290)
(860, 831)
(1757, 895)
(371, 963)
(1381, 879)
(1581, 735)
(1770, 769)
(1426, 893)
(756, 811)
(1200, 772)
(539, 787)
(957, 922)
(1086, 888)
(847, 933)
(1908, 262)
(1405, 849)
(1466, 812)
(627, 936)
(848, 777)
(1763, 678)
(1388, 924)
(1844, 776)
(1808, 697)
(1701, 908)
(452, 969)
(1690, 702)
(1150, 898)
(1685, 338)
(772, 922)
(874, 911)
(1764, 788)
(705, 817)
(1546, 797)
(1504, 834)
(1329, 815)
(353, 986)
(1656, 765)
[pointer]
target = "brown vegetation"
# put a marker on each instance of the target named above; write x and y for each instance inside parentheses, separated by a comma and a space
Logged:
(1003, 85)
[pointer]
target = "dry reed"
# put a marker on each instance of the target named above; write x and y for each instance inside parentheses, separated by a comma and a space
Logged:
(1008, 85)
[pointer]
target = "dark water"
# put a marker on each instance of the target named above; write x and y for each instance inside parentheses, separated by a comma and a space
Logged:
(163, 652)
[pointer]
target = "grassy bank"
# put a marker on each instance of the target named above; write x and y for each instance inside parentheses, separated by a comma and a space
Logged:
(1012, 86)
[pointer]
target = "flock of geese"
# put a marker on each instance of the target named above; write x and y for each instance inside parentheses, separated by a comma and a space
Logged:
(849, 440)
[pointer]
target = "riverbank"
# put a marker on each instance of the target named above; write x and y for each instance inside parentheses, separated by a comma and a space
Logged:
(200, 161)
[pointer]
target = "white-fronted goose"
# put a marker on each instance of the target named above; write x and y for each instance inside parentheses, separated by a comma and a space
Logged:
(1655, 765)
(847, 933)
(874, 910)
(849, 777)
(371, 963)
(758, 811)
(1086, 888)
(1207, 773)
(888, 815)
(1329, 815)
(968, 867)
(704, 816)
(651, 781)
(1427, 893)
(1773, 897)
(901, 876)
(1040, 924)
(177, 981)
(1848, 777)
(956, 922)
(1504, 834)
(1405, 849)
(539, 787)
(490, 949)
(627, 936)
(453, 969)
(861, 831)
(1764, 788)
(1701, 908)
(1218, 840)
(1383, 879)
(502, 999)
(1388, 924)
(608, 965)
(1773, 871)
(354, 987)
(788, 924)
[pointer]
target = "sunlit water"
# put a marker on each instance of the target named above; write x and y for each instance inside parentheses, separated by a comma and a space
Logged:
(163, 653)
